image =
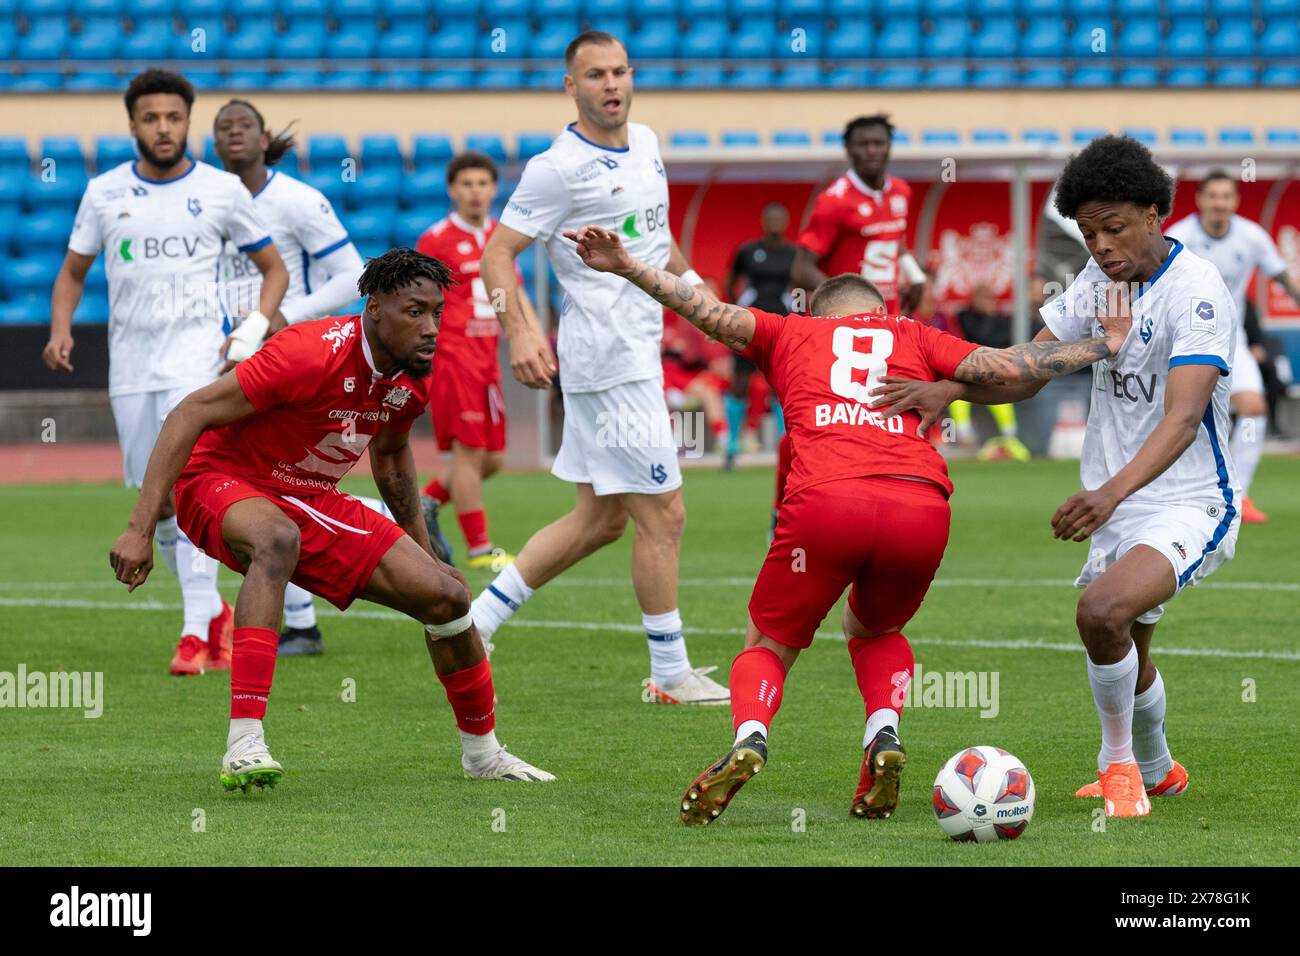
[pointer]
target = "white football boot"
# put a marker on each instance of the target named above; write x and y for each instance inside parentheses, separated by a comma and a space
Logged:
(504, 765)
(248, 763)
(697, 688)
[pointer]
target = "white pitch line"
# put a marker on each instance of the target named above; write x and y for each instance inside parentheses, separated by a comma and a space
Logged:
(380, 614)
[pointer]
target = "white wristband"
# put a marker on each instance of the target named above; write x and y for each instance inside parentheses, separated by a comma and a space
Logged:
(692, 277)
(451, 628)
(246, 339)
(911, 269)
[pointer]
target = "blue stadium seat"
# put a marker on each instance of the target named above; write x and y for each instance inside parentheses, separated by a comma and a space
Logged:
(848, 78)
(289, 9)
(255, 39)
(47, 39)
(948, 39)
(990, 137)
(944, 77)
(655, 9)
(200, 79)
(98, 40)
(37, 81)
(940, 137)
(1139, 76)
(423, 186)
(553, 79)
(63, 192)
(898, 78)
(800, 76)
(1235, 38)
(900, 39)
(111, 151)
(65, 151)
(1236, 76)
(82, 8)
(744, 10)
(91, 310)
(96, 81)
(553, 38)
(1040, 8)
(45, 232)
(655, 78)
(496, 11)
(1097, 10)
(429, 149)
(995, 39)
(455, 9)
(45, 8)
(851, 40)
(1142, 134)
(1280, 75)
(1281, 38)
(840, 9)
(1180, 9)
(326, 152)
(530, 144)
(694, 10)
(803, 46)
(199, 9)
(297, 80)
(402, 10)
(408, 227)
(1086, 43)
(993, 77)
(704, 39)
(800, 11)
(453, 40)
(1279, 8)
(1084, 135)
(369, 231)
(688, 139)
(355, 41)
(303, 40)
(8, 38)
(997, 8)
(752, 78)
(756, 39)
(1236, 136)
(1233, 8)
(1140, 8)
(1187, 39)
(1180, 136)
(897, 8)
(1043, 37)
(740, 138)
(329, 182)
(501, 78)
(1040, 135)
(1093, 77)
(375, 189)
(1188, 76)
(1283, 136)
(1141, 39)
(938, 9)
(595, 9)
(489, 143)
(654, 40)
(33, 274)
(791, 138)
(1043, 77)
(380, 151)
(702, 78)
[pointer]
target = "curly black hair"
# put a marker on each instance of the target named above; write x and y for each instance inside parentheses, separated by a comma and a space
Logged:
(864, 122)
(1114, 169)
(400, 268)
(155, 80)
(280, 143)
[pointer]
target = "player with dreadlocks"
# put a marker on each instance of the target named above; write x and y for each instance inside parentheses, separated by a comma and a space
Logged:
(255, 458)
(323, 267)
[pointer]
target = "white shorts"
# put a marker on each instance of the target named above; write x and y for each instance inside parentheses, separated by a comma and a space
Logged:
(619, 440)
(1196, 540)
(1245, 376)
(139, 417)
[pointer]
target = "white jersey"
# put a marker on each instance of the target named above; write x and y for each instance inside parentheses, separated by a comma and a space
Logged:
(162, 244)
(306, 231)
(610, 331)
(1245, 247)
(1183, 316)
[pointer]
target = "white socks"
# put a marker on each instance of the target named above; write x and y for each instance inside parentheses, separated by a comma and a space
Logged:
(748, 727)
(299, 612)
(498, 602)
(878, 721)
(478, 747)
(1149, 745)
(1247, 446)
(241, 727)
(1113, 687)
(165, 534)
(669, 664)
(198, 576)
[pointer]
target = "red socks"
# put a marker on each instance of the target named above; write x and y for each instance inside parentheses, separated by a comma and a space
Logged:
(473, 524)
(883, 666)
(252, 666)
(470, 693)
(435, 490)
(757, 678)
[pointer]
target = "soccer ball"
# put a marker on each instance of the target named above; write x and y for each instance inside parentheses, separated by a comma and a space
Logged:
(983, 794)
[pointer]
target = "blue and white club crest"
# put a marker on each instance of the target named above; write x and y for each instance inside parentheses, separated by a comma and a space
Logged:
(1144, 329)
(193, 206)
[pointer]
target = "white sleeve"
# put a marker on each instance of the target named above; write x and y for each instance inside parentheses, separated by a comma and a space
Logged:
(1204, 327)
(86, 238)
(1071, 314)
(318, 229)
(1179, 230)
(1270, 260)
(540, 203)
(343, 265)
(243, 227)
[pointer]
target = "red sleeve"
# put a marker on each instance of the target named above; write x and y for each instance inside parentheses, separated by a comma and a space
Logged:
(400, 422)
(767, 328)
(284, 371)
(823, 225)
(427, 244)
(942, 352)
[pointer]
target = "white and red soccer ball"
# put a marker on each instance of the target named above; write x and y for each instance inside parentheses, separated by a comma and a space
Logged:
(983, 794)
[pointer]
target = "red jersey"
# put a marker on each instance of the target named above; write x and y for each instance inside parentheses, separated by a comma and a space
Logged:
(822, 369)
(855, 229)
(467, 338)
(319, 402)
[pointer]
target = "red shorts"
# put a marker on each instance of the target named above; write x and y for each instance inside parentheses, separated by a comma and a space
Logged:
(343, 541)
(470, 411)
(883, 536)
(680, 379)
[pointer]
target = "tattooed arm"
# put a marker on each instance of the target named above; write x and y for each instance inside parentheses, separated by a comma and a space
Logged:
(603, 251)
(393, 465)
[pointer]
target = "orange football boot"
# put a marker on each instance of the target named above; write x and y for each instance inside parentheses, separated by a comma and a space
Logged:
(1121, 788)
(1174, 784)
(191, 656)
(221, 637)
(1250, 514)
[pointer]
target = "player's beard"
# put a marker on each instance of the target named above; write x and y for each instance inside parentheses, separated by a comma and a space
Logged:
(156, 161)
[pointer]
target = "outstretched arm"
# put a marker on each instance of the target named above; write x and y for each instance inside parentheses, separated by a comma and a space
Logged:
(603, 251)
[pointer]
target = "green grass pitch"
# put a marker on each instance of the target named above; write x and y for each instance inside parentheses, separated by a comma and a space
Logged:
(378, 781)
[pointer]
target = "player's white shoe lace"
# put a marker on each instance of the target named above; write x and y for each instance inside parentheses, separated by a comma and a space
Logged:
(697, 688)
(248, 763)
(504, 765)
